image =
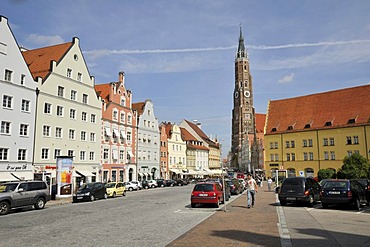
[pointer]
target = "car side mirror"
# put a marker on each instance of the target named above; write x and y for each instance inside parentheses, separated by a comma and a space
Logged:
(20, 190)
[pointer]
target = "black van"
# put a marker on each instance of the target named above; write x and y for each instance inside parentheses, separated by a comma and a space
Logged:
(299, 189)
(90, 192)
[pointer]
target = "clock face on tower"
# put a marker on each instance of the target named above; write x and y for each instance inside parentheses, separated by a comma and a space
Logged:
(236, 95)
(247, 93)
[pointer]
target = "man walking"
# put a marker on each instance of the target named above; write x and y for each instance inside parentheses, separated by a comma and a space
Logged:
(252, 189)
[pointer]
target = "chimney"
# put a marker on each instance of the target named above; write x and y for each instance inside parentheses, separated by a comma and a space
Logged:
(121, 77)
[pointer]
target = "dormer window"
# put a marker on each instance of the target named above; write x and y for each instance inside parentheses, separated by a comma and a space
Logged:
(351, 121)
(290, 127)
(273, 130)
(307, 126)
(328, 123)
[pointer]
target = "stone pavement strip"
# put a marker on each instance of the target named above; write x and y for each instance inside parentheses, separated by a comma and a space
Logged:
(238, 226)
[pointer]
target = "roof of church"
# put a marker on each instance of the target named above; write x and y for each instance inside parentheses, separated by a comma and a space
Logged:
(338, 108)
(38, 60)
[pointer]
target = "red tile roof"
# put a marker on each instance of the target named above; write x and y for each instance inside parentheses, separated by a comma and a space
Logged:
(201, 134)
(139, 107)
(260, 122)
(320, 111)
(38, 60)
(186, 136)
(103, 90)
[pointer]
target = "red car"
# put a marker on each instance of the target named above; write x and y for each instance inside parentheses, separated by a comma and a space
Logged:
(207, 193)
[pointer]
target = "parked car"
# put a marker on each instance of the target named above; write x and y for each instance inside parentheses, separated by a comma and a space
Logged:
(130, 186)
(299, 190)
(90, 192)
(115, 188)
(343, 191)
(207, 193)
(138, 183)
(153, 183)
(235, 188)
(181, 182)
(169, 183)
(160, 182)
(149, 184)
(366, 185)
(23, 194)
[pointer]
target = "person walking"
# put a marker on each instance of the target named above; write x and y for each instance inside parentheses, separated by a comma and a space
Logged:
(252, 189)
(269, 183)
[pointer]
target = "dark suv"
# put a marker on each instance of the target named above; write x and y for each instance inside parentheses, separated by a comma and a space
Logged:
(23, 194)
(299, 189)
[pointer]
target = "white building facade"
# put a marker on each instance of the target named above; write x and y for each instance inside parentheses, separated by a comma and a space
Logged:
(176, 152)
(17, 111)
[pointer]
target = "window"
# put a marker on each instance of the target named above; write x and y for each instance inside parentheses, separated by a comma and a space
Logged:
(22, 154)
(23, 78)
(7, 101)
(122, 119)
(123, 101)
(122, 155)
(69, 73)
(71, 153)
(305, 156)
(8, 75)
(73, 95)
(311, 155)
(129, 118)
(115, 115)
(60, 91)
(83, 135)
(93, 118)
(304, 143)
(25, 105)
(128, 136)
(293, 156)
(71, 134)
(23, 130)
(79, 76)
(326, 142)
(82, 155)
(331, 141)
(84, 116)
(276, 145)
(355, 140)
(310, 142)
(271, 145)
(326, 155)
(72, 114)
(92, 155)
(105, 154)
(84, 98)
(57, 153)
(292, 144)
(92, 137)
(349, 153)
(332, 155)
(4, 153)
(47, 108)
(58, 132)
(46, 131)
(288, 157)
(60, 111)
(45, 154)
(287, 144)
(349, 140)
(276, 157)
(5, 127)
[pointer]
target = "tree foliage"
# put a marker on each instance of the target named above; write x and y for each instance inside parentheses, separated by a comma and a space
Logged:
(325, 174)
(355, 166)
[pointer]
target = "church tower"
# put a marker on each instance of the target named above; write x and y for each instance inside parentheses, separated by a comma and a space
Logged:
(243, 111)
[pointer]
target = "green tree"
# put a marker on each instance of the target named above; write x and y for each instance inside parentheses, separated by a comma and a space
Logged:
(325, 174)
(354, 166)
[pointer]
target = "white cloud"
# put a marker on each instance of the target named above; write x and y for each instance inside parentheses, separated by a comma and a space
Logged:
(287, 78)
(45, 40)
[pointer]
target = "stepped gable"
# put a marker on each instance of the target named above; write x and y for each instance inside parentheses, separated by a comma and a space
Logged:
(338, 108)
(39, 60)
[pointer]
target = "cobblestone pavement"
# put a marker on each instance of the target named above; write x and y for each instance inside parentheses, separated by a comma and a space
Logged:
(238, 226)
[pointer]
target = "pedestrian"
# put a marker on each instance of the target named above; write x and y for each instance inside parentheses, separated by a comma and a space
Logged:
(269, 183)
(252, 189)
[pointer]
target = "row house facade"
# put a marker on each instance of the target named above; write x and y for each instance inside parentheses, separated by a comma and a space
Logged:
(164, 173)
(313, 132)
(148, 144)
(68, 112)
(118, 134)
(176, 151)
(17, 111)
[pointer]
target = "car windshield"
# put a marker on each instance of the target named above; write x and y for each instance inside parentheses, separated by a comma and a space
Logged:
(111, 185)
(335, 185)
(293, 181)
(203, 187)
(8, 187)
(86, 186)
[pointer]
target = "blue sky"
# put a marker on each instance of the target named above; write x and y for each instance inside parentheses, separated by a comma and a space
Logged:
(180, 54)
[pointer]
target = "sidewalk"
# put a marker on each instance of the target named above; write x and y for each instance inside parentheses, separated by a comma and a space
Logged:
(59, 201)
(238, 226)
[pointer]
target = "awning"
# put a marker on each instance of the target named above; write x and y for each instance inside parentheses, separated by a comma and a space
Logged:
(25, 175)
(116, 133)
(85, 173)
(123, 134)
(107, 131)
(7, 176)
(177, 171)
(217, 171)
(53, 173)
(146, 174)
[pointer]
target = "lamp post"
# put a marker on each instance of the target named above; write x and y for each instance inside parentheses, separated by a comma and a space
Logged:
(223, 178)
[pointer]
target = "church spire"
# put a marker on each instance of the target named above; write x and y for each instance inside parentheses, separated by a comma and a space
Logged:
(241, 53)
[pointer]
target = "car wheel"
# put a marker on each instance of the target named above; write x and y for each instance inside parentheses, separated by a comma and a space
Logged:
(92, 198)
(114, 194)
(130, 189)
(311, 201)
(324, 205)
(105, 195)
(40, 203)
(193, 205)
(357, 204)
(4, 208)
(282, 203)
(124, 193)
(217, 204)
(162, 185)
(171, 185)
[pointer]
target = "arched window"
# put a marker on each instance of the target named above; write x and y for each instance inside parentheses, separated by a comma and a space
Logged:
(309, 172)
(291, 172)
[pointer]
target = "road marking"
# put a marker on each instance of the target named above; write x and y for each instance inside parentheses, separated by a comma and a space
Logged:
(177, 211)
(285, 239)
